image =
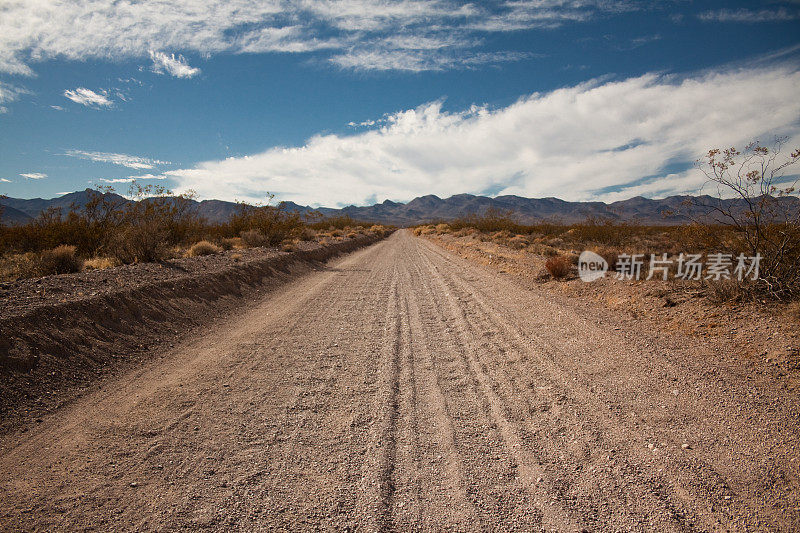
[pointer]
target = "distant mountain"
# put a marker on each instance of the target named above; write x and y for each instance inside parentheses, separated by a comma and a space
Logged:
(672, 210)
(13, 217)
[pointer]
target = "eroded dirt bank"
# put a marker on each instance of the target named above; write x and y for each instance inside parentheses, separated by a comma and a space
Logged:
(405, 388)
(59, 334)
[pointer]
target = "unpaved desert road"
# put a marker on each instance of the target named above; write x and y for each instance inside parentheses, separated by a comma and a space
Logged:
(402, 388)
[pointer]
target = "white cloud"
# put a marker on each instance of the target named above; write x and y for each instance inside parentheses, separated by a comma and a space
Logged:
(595, 140)
(750, 16)
(420, 60)
(4, 180)
(57, 107)
(34, 175)
(130, 179)
(10, 93)
(31, 32)
(125, 160)
(169, 64)
(88, 97)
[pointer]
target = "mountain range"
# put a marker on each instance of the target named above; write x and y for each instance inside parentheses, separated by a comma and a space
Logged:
(671, 210)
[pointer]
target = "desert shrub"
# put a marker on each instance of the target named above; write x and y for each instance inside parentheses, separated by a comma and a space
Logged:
(60, 260)
(236, 257)
(766, 219)
(558, 266)
(254, 238)
(99, 263)
(725, 290)
(609, 254)
(203, 248)
(141, 243)
(306, 234)
(442, 228)
(17, 266)
(352, 235)
(229, 243)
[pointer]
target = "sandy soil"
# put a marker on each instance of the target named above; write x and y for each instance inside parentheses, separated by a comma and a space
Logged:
(405, 388)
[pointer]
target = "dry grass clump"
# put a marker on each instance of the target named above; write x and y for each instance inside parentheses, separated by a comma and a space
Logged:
(16, 266)
(442, 228)
(100, 263)
(352, 235)
(307, 234)
(559, 266)
(236, 257)
(203, 248)
(60, 260)
(253, 238)
(230, 243)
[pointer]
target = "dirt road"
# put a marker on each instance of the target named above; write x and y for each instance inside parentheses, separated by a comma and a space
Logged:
(403, 388)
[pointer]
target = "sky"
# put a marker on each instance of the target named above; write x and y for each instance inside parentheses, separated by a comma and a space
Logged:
(339, 102)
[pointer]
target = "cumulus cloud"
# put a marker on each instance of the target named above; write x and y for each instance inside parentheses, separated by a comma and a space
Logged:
(174, 66)
(597, 140)
(34, 175)
(109, 30)
(89, 98)
(125, 160)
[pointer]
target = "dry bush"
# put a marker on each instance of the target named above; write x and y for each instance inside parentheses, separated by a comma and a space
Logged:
(559, 266)
(352, 235)
(203, 248)
(336, 232)
(236, 257)
(609, 254)
(306, 234)
(518, 242)
(17, 266)
(229, 243)
(418, 231)
(254, 238)
(725, 290)
(99, 263)
(442, 228)
(60, 260)
(144, 243)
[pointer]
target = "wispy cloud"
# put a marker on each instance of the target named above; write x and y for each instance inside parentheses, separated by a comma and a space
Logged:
(4, 180)
(174, 66)
(109, 30)
(125, 160)
(597, 140)
(781, 14)
(89, 98)
(34, 175)
(130, 179)
(10, 93)
(420, 60)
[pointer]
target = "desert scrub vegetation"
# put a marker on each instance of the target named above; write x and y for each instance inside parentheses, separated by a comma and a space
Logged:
(203, 248)
(762, 223)
(152, 224)
(558, 266)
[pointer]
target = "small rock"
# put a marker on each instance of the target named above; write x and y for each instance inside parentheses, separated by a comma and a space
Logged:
(134, 484)
(686, 446)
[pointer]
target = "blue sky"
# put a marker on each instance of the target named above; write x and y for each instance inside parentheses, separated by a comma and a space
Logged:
(336, 102)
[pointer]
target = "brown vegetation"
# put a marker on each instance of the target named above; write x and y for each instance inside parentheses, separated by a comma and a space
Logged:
(153, 225)
(558, 266)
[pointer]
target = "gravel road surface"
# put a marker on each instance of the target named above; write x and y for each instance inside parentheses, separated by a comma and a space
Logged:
(404, 388)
